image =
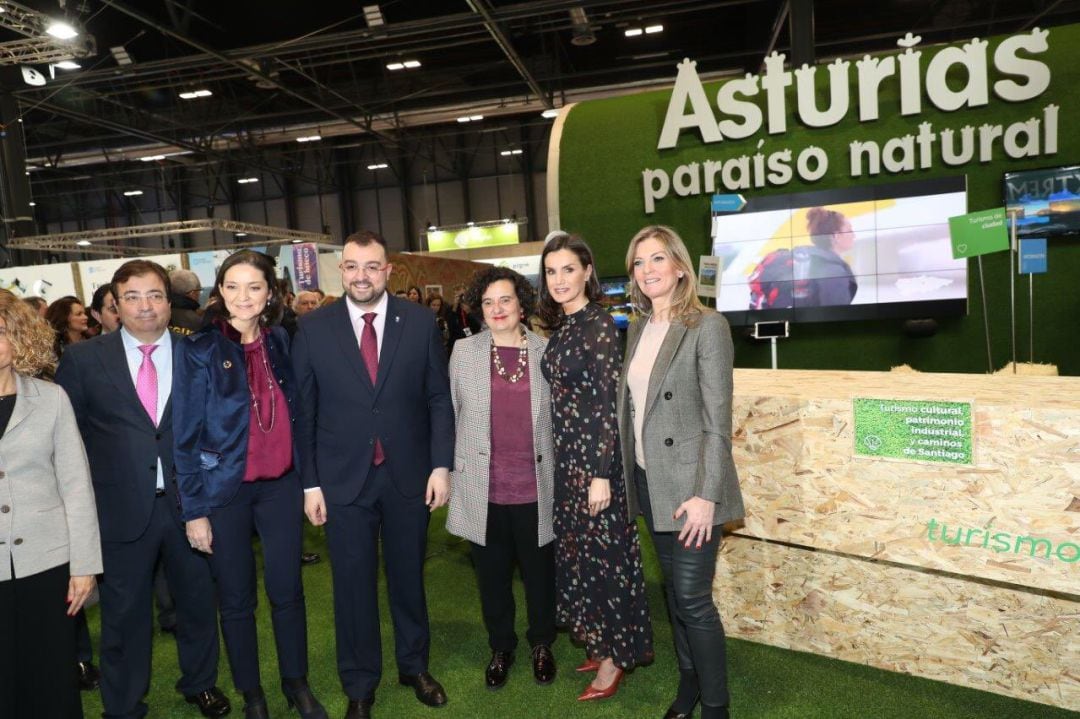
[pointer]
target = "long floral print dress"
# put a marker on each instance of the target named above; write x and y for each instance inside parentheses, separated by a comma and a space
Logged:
(598, 578)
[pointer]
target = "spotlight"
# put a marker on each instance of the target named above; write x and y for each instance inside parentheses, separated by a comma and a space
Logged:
(61, 30)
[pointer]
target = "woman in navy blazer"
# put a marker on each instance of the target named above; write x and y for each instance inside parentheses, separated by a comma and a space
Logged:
(236, 471)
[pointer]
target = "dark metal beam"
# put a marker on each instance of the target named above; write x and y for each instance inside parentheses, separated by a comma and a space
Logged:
(481, 8)
(801, 29)
(221, 57)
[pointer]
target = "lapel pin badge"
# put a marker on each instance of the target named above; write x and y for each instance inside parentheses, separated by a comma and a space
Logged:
(227, 364)
(397, 318)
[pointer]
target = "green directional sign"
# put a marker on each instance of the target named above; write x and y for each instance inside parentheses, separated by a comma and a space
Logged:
(979, 233)
(914, 430)
(472, 237)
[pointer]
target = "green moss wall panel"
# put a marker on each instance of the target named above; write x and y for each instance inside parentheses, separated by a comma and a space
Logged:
(607, 144)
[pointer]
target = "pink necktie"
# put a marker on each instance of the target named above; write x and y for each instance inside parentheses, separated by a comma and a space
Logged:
(369, 350)
(146, 382)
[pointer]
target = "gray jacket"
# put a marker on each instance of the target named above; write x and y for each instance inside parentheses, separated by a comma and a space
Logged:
(470, 392)
(47, 511)
(687, 426)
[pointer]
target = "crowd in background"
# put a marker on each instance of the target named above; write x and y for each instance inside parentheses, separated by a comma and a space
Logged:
(547, 439)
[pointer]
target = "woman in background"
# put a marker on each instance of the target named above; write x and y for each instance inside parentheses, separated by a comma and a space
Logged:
(52, 548)
(413, 294)
(822, 276)
(502, 484)
(236, 472)
(69, 321)
(435, 304)
(599, 581)
(675, 421)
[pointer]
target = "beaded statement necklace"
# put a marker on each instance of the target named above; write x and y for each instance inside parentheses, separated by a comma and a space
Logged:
(522, 363)
(269, 385)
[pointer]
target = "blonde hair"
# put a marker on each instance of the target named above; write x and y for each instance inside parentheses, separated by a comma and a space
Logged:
(31, 338)
(685, 305)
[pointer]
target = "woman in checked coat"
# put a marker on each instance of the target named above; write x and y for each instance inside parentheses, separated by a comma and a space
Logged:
(502, 486)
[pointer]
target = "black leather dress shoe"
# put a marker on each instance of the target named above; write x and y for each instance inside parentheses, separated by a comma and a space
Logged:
(89, 676)
(543, 662)
(309, 558)
(211, 702)
(359, 709)
(672, 714)
(428, 691)
(498, 669)
(298, 693)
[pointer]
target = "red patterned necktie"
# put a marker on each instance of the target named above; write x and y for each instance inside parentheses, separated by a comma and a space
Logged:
(369, 350)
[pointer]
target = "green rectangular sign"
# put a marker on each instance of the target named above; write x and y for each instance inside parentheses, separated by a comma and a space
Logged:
(914, 430)
(472, 237)
(978, 233)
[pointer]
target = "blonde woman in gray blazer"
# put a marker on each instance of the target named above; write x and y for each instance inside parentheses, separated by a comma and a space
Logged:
(502, 485)
(50, 549)
(675, 423)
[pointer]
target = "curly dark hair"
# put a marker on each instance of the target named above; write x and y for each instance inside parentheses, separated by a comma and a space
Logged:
(474, 295)
(551, 313)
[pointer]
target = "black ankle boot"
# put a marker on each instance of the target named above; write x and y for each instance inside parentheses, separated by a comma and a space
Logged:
(298, 693)
(255, 704)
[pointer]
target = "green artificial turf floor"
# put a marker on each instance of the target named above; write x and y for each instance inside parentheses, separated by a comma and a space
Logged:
(765, 682)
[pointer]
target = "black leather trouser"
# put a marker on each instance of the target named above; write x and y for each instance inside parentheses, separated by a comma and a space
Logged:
(688, 578)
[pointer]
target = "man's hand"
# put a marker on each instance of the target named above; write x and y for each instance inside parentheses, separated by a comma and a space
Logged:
(438, 488)
(315, 507)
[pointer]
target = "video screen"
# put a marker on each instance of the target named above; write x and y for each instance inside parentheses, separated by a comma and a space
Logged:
(847, 254)
(616, 300)
(1047, 201)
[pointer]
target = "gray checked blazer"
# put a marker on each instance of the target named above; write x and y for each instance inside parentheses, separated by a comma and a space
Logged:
(47, 511)
(470, 392)
(687, 427)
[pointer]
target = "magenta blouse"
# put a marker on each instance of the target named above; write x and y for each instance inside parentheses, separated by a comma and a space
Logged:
(513, 460)
(269, 450)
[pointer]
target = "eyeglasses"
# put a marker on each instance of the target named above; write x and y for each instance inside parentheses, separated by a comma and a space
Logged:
(370, 268)
(153, 296)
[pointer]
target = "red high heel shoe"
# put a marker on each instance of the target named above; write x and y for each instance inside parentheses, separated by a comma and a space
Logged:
(592, 692)
(590, 665)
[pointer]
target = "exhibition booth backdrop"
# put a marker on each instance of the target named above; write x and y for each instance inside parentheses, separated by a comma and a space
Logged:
(972, 110)
(925, 522)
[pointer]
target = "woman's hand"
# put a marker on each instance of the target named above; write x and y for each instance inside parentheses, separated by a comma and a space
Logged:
(79, 589)
(599, 495)
(200, 535)
(699, 521)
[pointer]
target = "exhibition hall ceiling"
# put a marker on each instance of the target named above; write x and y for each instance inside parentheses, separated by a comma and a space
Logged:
(220, 76)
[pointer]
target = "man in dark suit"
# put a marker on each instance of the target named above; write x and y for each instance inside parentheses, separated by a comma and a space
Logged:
(376, 436)
(119, 385)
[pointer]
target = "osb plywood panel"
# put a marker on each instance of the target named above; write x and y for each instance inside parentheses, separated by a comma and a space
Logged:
(950, 629)
(1014, 516)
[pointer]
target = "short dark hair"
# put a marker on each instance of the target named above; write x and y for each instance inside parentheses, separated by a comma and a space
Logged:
(474, 295)
(138, 268)
(365, 238)
(97, 304)
(550, 311)
(262, 262)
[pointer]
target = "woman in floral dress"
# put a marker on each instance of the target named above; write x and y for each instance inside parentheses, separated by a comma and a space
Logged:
(599, 582)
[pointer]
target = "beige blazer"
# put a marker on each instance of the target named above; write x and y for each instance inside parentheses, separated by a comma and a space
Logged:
(47, 511)
(470, 392)
(687, 426)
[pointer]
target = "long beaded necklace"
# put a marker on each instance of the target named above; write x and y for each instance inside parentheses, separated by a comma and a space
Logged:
(522, 363)
(269, 385)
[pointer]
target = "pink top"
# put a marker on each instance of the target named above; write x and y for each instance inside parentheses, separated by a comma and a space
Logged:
(512, 478)
(269, 449)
